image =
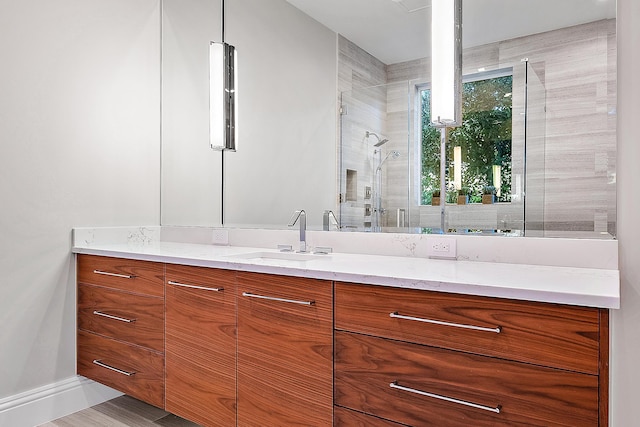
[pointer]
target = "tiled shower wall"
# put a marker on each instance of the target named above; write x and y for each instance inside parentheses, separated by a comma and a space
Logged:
(571, 145)
(362, 111)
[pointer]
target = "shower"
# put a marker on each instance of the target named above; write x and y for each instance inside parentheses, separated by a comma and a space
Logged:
(378, 210)
(393, 154)
(380, 141)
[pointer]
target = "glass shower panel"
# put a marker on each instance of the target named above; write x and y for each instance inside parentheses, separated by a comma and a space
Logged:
(535, 150)
(374, 159)
(385, 178)
(570, 145)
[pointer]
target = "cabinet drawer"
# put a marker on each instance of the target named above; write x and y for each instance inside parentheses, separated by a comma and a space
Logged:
(133, 370)
(565, 337)
(421, 385)
(343, 417)
(142, 277)
(138, 319)
(294, 301)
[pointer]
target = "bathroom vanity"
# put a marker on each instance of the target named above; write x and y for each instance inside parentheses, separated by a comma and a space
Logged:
(231, 336)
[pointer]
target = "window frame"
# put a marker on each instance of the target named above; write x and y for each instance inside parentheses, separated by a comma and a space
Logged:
(421, 86)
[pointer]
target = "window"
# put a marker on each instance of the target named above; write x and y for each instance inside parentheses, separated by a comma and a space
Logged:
(479, 151)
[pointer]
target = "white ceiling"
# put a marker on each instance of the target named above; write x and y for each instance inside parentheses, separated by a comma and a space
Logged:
(397, 30)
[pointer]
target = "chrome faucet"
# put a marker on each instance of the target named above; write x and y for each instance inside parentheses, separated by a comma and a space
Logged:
(327, 219)
(301, 217)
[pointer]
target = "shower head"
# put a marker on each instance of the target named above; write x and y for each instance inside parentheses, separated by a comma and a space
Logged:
(380, 141)
(394, 154)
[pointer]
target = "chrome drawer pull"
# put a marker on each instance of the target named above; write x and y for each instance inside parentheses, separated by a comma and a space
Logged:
(110, 316)
(292, 301)
(111, 368)
(395, 314)
(106, 273)
(184, 285)
(448, 399)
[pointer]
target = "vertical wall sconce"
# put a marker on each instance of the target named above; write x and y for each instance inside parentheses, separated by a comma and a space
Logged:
(446, 63)
(446, 79)
(223, 93)
(457, 167)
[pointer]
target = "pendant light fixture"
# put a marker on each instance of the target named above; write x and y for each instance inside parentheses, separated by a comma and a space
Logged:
(223, 93)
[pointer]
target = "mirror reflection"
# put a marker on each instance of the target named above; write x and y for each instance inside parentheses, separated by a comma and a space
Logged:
(536, 156)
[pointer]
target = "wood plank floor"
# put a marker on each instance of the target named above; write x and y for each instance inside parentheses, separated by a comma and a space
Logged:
(123, 411)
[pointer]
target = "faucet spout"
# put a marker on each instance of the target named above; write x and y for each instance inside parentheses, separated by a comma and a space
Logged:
(327, 219)
(300, 217)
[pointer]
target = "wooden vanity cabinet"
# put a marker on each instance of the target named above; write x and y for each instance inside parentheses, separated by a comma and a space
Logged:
(285, 350)
(201, 344)
(430, 358)
(121, 325)
(249, 349)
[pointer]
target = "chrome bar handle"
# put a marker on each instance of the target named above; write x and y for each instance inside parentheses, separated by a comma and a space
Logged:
(204, 288)
(111, 368)
(111, 316)
(292, 301)
(497, 329)
(106, 273)
(445, 398)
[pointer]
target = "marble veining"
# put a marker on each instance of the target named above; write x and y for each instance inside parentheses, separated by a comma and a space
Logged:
(138, 235)
(143, 236)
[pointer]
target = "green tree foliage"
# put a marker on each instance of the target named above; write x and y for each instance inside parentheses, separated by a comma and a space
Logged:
(484, 137)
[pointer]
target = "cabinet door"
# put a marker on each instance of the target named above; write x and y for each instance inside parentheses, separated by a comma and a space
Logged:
(200, 345)
(285, 351)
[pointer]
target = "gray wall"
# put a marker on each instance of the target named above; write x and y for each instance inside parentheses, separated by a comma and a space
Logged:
(79, 132)
(625, 370)
(191, 170)
(286, 160)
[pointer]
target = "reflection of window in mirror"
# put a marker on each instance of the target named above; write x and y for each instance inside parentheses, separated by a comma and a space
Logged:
(479, 151)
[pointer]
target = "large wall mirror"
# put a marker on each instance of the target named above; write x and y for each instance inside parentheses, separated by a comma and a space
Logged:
(332, 117)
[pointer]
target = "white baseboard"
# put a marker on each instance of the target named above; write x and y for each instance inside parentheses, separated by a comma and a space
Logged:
(47, 403)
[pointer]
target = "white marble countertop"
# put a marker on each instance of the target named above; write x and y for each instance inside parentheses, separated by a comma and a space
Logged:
(564, 285)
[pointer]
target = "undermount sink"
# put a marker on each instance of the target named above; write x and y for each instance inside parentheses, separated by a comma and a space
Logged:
(279, 256)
